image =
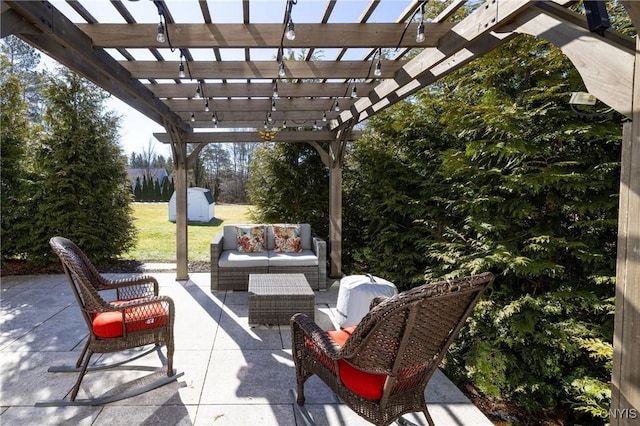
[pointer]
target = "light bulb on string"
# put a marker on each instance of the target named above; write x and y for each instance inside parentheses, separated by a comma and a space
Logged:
(290, 34)
(281, 71)
(275, 90)
(378, 70)
(420, 33)
(160, 37)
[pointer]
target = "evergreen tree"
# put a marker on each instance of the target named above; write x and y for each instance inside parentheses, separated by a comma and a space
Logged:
(145, 189)
(157, 191)
(166, 193)
(22, 62)
(83, 191)
(14, 135)
(289, 183)
(137, 190)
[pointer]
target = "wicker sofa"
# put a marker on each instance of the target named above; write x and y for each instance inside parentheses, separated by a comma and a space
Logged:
(231, 266)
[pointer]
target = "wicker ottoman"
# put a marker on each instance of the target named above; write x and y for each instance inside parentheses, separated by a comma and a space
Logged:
(274, 298)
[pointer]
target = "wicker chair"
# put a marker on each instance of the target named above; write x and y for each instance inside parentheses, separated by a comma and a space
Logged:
(380, 368)
(138, 317)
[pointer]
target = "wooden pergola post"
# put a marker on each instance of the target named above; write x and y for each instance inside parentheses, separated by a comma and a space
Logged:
(335, 210)
(625, 380)
(179, 149)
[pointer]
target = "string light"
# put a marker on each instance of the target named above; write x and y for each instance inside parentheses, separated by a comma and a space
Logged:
(197, 95)
(337, 106)
(284, 124)
(420, 33)
(354, 93)
(214, 118)
(193, 117)
(275, 90)
(206, 105)
(291, 33)
(160, 36)
(273, 106)
(181, 73)
(281, 71)
(378, 70)
(269, 118)
(324, 116)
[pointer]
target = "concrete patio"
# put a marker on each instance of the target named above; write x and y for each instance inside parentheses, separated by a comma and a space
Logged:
(233, 374)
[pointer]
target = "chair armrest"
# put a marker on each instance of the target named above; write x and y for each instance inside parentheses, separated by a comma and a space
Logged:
(376, 301)
(132, 287)
(216, 249)
(319, 247)
(217, 240)
(303, 327)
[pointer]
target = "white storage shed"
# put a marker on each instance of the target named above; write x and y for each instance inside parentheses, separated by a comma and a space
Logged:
(200, 205)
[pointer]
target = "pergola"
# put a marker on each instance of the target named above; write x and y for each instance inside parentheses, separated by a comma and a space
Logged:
(238, 82)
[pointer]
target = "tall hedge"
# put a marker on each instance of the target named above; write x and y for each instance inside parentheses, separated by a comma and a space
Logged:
(492, 170)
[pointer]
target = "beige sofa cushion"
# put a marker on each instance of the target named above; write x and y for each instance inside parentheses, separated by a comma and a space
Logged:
(305, 258)
(238, 259)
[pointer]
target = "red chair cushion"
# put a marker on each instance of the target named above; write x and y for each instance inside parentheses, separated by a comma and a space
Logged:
(367, 385)
(109, 324)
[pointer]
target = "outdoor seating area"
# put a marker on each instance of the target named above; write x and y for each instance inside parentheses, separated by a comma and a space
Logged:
(234, 374)
(241, 250)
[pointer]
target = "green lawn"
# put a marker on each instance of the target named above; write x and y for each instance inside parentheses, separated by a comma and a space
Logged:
(157, 236)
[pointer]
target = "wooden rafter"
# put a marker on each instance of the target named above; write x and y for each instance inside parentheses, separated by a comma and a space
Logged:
(262, 35)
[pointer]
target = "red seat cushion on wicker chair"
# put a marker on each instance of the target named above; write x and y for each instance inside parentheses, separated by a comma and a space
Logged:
(109, 324)
(367, 385)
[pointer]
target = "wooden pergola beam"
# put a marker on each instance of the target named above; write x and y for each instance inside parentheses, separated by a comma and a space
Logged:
(334, 35)
(254, 136)
(261, 69)
(256, 104)
(294, 118)
(255, 89)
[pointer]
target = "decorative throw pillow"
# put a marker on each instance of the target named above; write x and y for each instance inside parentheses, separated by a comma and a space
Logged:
(287, 239)
(250, 239)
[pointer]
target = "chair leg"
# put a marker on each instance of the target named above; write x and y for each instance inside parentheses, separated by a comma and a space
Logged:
(300, 394)
(302, 410)
(83, 371)
(83, 353)
(170, 350)
(428, 416)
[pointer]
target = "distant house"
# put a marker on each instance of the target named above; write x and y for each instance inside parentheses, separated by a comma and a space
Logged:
(160, 174)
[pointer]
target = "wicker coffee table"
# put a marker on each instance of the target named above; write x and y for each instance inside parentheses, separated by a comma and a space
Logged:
(274, 298)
